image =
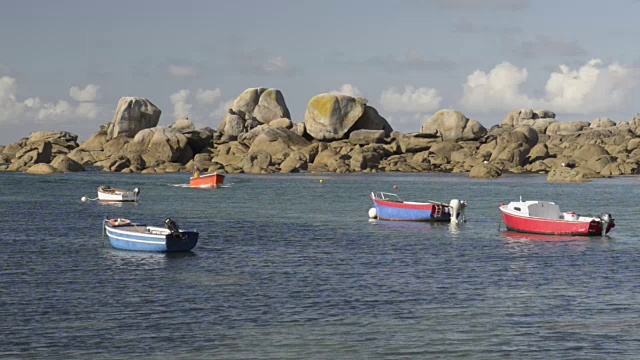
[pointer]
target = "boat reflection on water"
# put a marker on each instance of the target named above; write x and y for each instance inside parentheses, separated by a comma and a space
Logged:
(118, 204)
(125, 259)
(518, 236)
(417, 226)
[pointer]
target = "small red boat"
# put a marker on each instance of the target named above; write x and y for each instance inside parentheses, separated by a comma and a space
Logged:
(207, 180)
(545, 217)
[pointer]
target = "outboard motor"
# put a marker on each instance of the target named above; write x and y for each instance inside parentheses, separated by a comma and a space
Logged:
(457, 210)
(605, 220)
(136, 191)
(173, 227)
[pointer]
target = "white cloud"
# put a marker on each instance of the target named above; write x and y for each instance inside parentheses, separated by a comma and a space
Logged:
(182, 71)
(412, 100)
(55, 110)
(200, 112)
(10, 109)
(216, 115)
(221, 110)
(591, 88)
(13, 111)
(347, 89)
(180, 105)
(496, 91)
(406, 123)
(87, 110)
(89, 93)
(208, 97)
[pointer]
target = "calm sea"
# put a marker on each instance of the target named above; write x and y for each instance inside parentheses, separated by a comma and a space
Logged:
(290, 267)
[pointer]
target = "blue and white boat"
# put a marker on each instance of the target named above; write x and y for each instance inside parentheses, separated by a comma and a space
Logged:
(126, 235)
(389, 206)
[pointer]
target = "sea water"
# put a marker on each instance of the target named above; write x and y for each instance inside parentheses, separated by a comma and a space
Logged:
(290, 267)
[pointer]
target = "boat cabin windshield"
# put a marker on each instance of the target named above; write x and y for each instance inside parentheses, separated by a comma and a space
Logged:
(545, 210)
(386, 196)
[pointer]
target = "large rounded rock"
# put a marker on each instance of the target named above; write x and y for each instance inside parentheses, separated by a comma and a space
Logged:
(278, 142)
(62, 142)
(132, 115)
(66, 164)
(34, 153)
(538, 152)
(371, 120)
(526, 117)
(566, 175)
(12, 149)
(85, 158)
(530, 135)
(160, 145)
(115, 145)
(453, 125)
(541, 125)
(412, 143)
(281, 123)
(234, 124)
(55, 137)
(514, 155)
(199, 139)
(262, 104)
(95, 142)
(485, 171)
(365, 137)
(183, 125)
(330, 116)
(42, 169)
(294, 163)
(567, 128)
(590, 151)
(445, 148)
(602, 123)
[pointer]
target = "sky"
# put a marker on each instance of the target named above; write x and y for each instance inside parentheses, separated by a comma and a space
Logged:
(65, 64)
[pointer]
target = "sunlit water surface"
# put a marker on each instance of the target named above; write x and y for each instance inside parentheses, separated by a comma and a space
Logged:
(290, 267)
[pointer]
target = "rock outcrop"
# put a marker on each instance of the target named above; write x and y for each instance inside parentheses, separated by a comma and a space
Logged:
(329, 116)
(261, 104)
(132, 115)
(341, 134)
(453, 125)
(159, 145)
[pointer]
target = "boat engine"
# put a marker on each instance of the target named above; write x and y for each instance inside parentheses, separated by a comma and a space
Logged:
(605, 220)
(457, 210)
(173, 227)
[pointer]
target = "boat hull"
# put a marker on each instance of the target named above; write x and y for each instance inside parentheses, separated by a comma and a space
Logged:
(534, 225)
(116, 195)
(209, 180)
(403, 211)
(124, 238)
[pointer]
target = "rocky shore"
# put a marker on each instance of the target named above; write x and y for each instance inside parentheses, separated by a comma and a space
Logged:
(340, 134)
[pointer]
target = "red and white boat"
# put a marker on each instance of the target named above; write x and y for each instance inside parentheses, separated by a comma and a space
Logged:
(545, 217)
(206, 181)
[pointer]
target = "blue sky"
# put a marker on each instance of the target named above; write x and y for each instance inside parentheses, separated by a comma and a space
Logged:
(65, 64)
